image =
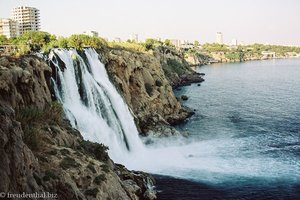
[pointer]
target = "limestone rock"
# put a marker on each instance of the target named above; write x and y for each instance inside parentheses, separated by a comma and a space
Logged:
(40, 155)
(142, 82)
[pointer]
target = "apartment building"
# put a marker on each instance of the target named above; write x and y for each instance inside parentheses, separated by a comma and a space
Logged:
(219, 38)
(9, 28)
(28, 18)
(91, 33)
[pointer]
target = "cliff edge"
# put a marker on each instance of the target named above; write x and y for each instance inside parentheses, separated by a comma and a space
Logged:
(146, 81)
(41, 152)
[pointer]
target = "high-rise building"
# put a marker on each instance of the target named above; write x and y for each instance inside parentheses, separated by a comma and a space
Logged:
(9, 28)
(134, 37)
(91, 33)
(234, 42)
(27, 17)
(219, 38)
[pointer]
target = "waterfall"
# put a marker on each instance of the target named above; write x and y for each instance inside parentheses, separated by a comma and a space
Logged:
(92, 103)
(96, 109)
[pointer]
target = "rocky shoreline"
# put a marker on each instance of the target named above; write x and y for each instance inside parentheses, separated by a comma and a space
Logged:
(40, 150)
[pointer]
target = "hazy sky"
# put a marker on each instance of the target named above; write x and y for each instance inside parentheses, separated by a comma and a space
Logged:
(263, 21)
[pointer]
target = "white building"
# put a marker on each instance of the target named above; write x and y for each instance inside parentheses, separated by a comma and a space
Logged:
(176, 42)
(27, 17)
(91, 33)
(117, 39)
(185, 44)
(219, 38)
(134, 37)
(234, 42)
(9, 28)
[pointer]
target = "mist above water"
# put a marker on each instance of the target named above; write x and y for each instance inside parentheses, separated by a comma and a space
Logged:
(246, 124)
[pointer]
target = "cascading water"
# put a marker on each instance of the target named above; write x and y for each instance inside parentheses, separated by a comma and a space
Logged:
(92, 103)
(95, 108)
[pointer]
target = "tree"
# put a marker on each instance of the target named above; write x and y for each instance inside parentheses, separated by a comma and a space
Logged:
(35, 40)
(215, 47)
(62, 42)
(152, 43)
(3, 39)
(81, 41)
(168, 43)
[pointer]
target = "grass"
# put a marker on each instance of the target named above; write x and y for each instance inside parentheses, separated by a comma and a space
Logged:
(92, 168)
(105, 168)
(50, 114)
(99, 179)
(158, 83)
(132, 46)
(176, 66)
(95, 150)
(68, 162)
(33, 119)
(92, 192)
(49, 175)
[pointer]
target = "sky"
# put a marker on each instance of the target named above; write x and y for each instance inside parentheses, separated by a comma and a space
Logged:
(248, 21)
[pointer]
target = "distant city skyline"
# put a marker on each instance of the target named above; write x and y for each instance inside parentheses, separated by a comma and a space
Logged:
(247, 21)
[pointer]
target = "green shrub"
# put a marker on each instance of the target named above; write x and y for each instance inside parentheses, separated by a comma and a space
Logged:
(92, 192)
(158, 83)
(92, 168)
(32, 138)
(105, 168)
(96, 150)
(176, 66)
(150, 44)
(64, 152)
(3, 39)
(33, 118)
(82, 41)
(132, 46)
(149, 89)
(49, 175)
(50, 114)
(68, 162)
(99, 179)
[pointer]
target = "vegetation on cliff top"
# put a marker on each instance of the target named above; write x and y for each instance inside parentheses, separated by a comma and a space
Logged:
(43, 41)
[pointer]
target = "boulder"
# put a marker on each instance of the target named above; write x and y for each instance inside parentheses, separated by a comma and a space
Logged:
(184, 97)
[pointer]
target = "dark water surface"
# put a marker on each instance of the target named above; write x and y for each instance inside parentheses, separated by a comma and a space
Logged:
(245, 135)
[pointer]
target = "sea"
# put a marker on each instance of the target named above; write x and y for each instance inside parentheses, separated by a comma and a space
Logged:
(244, 139)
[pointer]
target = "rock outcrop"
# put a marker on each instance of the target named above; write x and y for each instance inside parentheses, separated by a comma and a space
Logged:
(176, 68)
(145, 88)
(25, 81)
(40, 152)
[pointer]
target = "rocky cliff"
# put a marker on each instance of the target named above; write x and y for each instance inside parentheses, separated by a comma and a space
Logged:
(176, 67)
(40, 152)
(146, 81)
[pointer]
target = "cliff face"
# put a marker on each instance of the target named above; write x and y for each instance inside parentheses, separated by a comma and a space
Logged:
(40, 152)
(25, 82)
(176, 67)
(21, 84)
(146, 89)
